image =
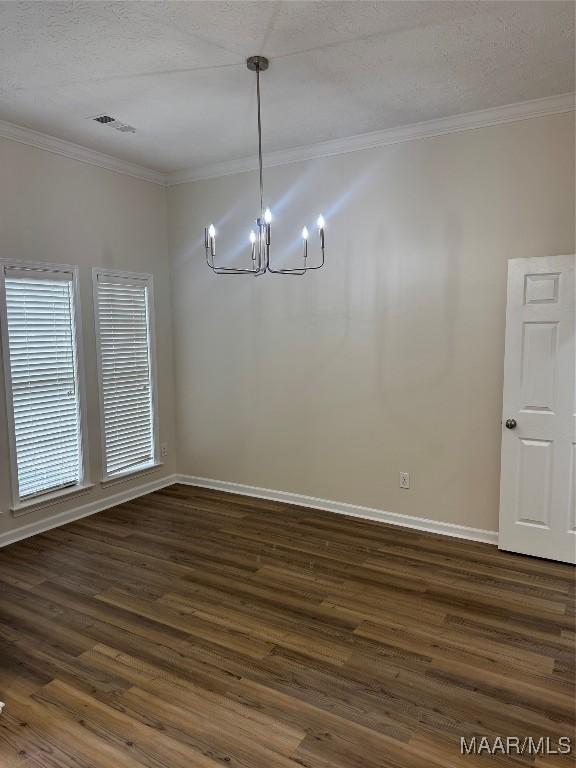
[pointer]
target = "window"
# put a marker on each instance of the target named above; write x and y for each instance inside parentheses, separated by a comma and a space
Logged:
(126, 370)
(39, 319)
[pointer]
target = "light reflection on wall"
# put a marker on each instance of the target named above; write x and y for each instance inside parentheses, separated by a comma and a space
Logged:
(234, 225)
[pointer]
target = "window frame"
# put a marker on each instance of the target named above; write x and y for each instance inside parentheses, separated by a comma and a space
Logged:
(21, 505)
(146, 279)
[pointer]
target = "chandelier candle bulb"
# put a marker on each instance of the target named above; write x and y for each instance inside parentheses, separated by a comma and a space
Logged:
(321, 224)
(267, 221)
(212, 236)
(305, 239)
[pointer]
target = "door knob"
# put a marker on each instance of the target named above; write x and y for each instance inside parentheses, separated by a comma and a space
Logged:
(511, 424)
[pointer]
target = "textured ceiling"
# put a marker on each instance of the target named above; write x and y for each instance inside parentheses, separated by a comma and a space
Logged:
(175, 70)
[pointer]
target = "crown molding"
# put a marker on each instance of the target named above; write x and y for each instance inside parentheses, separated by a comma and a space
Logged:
(467, 121)
(77, 152)
(523, 110)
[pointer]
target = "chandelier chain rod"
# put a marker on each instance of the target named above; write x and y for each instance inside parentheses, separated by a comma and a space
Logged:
(260, 141)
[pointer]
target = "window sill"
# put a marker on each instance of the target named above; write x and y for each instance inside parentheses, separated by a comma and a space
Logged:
(38, 502)
(131, 474)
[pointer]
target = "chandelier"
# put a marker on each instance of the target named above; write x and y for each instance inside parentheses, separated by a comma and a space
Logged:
(260, 235)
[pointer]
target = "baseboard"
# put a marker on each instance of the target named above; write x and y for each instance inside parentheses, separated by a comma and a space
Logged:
(367, 513)
(31, 529)
(341, 508)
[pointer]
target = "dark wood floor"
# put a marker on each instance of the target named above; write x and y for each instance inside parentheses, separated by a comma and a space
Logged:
(195, 629)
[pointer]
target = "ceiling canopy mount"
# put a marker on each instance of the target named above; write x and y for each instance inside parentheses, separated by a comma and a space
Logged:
(257, 63)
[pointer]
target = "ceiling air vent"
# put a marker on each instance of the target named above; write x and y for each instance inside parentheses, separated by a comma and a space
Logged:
(113, 123)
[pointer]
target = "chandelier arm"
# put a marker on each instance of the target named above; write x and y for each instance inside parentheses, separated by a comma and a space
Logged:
(290, 274)
(232, 270)
(318, 266)
(208, 247)
(296, 271)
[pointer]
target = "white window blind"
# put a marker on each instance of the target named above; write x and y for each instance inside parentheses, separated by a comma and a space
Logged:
(44, 381)
(124, 342)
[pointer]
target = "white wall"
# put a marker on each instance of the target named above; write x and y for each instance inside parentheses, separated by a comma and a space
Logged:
(60, 210)
(390, 358)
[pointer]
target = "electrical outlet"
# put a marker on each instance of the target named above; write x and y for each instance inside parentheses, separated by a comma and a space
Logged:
(405, 480)
(163, 450)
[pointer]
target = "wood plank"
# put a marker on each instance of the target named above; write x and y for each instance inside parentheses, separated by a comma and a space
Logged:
(193, 629)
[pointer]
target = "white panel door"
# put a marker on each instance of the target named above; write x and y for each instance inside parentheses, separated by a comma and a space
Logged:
(538, 478)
